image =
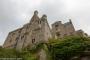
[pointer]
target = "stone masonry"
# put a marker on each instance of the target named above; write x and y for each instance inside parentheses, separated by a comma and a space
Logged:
(60, 30)
(38, 30)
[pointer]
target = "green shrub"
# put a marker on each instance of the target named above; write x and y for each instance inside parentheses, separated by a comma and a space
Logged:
(56, 49)
(67, 47)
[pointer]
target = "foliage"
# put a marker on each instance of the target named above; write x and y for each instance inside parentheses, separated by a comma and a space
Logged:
(67, 47)
(8, 53)
(56, 49)
(12, 53)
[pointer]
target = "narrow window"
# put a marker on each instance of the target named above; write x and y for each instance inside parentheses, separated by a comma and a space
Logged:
(33, 40)
(39, 22)
(19, 31)
(58, 34)
(56, 25)
(22, 37)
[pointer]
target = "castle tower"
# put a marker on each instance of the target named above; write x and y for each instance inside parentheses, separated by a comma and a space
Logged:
(36, 31)
(35, 17)
(45, 28)
(70, 30)
(60, 30)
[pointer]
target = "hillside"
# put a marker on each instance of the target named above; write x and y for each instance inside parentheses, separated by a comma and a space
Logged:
(56, 49)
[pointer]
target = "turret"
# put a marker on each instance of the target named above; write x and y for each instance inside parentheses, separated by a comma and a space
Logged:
(35, 16)
(36, 12)
(44, 17)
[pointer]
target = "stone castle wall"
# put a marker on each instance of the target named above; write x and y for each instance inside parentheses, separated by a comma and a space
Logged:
(60, 30)
(38, 30)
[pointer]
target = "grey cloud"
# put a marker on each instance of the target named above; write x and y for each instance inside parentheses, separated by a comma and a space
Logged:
(9, 17)
(55, 10)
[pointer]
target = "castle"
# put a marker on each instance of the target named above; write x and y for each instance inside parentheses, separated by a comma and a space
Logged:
(38, 30)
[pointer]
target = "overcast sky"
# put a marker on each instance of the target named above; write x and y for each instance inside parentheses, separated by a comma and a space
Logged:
(15, 13)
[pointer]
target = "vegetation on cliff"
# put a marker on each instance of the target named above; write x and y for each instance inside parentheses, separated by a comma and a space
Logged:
(68, 47)
(56, 49)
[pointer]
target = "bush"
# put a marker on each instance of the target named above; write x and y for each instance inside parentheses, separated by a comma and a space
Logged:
(56, 49)
(67, 47)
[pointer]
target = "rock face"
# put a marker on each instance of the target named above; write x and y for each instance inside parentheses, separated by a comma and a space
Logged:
(42, 55)
(38, 30)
